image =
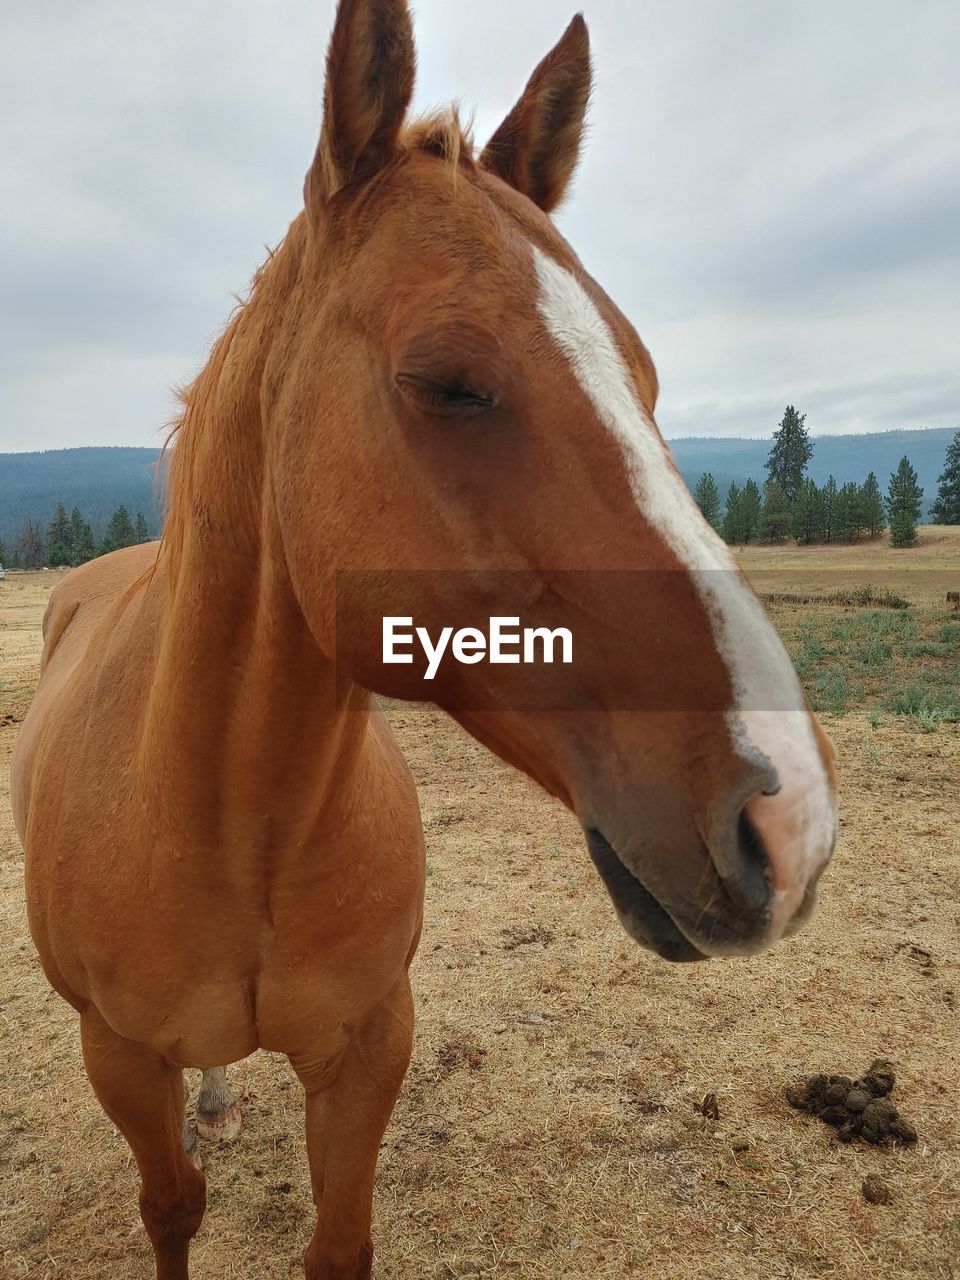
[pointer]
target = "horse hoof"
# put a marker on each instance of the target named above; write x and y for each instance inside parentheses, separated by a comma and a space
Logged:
(219, 1126)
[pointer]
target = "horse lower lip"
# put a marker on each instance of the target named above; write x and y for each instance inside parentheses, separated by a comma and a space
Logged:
(641, 914)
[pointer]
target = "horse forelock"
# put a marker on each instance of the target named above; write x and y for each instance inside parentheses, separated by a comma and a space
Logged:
(443, 134)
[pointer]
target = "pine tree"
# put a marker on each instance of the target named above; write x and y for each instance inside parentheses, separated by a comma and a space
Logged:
(791, 452)
(120, 532)
(707, 499)
(732, 516)
(750, 506)
(141, 533)
(828, 498)
(903, 530)
(946, 509)
(807, 523)
(775, 513)
(873, 516)
(83, 548)
(60, 538)
(3, 554)
(904, 505)
(842, 515)
(846, 513)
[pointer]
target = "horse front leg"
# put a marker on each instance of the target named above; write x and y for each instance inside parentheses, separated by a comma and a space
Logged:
(345, 1123)
(143, 1096)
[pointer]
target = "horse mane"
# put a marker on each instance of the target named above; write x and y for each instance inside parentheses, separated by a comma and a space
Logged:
(271, 284)
(439, 133)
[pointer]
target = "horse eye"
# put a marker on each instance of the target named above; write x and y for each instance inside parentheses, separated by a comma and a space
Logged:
(445, 399)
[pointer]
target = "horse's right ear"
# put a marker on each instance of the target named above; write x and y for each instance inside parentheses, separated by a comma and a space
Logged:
(370, 72)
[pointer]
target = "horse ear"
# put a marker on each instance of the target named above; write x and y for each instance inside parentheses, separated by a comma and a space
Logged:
(537, 147)
(371, 66)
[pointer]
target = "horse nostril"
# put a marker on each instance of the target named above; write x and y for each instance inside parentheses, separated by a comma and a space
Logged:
(752, 848)
(748, 881)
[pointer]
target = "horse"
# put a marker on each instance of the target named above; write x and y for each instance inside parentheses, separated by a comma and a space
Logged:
(223, 842)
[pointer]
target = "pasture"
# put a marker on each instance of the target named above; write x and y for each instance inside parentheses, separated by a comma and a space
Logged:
(550, 1127)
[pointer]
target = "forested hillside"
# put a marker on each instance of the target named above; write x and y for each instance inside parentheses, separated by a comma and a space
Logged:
(846, 458)
(95, 480)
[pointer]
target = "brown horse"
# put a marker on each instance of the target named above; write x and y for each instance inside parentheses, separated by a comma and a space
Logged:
(224, 848)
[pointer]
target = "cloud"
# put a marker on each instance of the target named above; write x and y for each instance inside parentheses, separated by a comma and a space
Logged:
(769, 192)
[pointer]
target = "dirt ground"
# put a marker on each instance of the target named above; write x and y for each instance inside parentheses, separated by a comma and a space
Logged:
(549, 1127)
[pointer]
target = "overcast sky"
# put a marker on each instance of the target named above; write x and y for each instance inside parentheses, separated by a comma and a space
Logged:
(771, 192)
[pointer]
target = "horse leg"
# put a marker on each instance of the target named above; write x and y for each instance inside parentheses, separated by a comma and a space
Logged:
(218, 1115)
(346, 1119)
(143, 1096)
(189, 1139)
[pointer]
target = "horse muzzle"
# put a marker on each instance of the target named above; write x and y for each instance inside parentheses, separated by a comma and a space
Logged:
(704, 913)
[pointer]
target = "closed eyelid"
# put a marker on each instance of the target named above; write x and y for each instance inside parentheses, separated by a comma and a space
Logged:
(445, 398)
(455, 365)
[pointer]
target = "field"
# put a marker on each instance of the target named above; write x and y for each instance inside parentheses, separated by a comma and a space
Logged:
(551, 1127)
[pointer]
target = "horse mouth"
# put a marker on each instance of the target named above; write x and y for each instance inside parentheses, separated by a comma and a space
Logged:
(640, 913)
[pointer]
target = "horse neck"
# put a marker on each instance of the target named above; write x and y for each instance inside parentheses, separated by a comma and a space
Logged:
(244, 702)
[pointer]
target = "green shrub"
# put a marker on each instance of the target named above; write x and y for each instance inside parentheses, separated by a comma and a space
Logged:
(927, 649)
(830, 691)
(930, 706)
(873, 653)
(813, 648)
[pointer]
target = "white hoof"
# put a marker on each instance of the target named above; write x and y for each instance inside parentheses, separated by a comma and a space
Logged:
(222, 1126)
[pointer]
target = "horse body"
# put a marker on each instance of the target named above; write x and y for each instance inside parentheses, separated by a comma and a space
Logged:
(224, 848)
(199, 894)
(171, 832)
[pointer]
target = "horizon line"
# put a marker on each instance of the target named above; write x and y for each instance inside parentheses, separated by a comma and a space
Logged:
(836, 435)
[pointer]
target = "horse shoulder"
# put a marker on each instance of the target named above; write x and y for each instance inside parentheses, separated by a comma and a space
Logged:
(85, 595)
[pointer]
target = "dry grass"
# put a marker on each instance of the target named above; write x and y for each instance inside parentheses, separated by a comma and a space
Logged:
(549, 1125)
(924, 573)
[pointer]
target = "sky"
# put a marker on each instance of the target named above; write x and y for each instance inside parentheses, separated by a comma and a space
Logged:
(770, 191)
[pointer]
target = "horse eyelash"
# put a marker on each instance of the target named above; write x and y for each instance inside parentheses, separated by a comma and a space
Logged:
(439, 394)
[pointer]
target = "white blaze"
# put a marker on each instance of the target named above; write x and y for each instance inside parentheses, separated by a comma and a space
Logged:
(769, 714)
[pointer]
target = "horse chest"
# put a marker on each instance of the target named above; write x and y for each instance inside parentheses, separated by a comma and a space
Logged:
(206, 967)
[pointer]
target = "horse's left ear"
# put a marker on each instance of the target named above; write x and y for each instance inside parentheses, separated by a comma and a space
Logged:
(537, 147)
(370, 72)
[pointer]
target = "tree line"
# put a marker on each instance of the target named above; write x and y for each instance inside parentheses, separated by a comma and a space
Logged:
(792, 505)
(69, 540)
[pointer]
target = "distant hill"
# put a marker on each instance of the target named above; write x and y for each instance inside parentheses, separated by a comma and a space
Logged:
(99, 480)
(844, 457)
(95, 480)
